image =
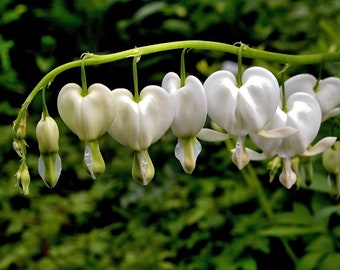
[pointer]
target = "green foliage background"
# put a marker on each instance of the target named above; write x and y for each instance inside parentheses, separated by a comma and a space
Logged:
(212, 219)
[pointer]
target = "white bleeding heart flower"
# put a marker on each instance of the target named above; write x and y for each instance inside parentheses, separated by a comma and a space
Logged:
(245, 109)
(140, 123)
(327, 92)
(303, 115)
(88, 115)
(49, 164)
(190, 113)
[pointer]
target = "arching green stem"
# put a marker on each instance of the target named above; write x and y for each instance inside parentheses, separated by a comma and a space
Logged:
(92, 59)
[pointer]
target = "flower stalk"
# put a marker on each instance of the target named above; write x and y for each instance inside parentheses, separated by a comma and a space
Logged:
(92, 59)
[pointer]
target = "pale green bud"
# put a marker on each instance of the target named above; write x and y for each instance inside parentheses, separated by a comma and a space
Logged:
(331, 159)
(47, 133)
(23, 178)
(49, 164)
(273, 166)
(20, 133)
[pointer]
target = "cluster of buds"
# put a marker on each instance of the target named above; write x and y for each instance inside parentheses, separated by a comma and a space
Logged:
(19, 146)
(282, 121)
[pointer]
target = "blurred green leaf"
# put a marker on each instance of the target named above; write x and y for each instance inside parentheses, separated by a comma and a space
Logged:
(290, 231)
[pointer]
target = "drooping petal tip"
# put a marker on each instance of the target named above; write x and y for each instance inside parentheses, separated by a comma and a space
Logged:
(186, 151)
(143, 170)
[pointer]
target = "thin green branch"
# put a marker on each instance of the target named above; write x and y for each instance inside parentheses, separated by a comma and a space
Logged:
(247, 52)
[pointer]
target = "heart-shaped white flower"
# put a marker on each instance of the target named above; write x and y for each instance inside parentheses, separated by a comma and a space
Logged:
(87, 116)
(304, 115)
(190, 106)
(245, 109)
(140, 123)
(240, 110)
(327, 92)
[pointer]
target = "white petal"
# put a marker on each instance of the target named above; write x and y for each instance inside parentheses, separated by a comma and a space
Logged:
(253, 155)
(287, 176)
(88, 160)
(190, 104)
(221, 92)
(320, 146)
(328, 94)
(211, 135)
(125, 128)
(187, 151)
(270, 145)
(142, 167)
(87, 116)
(171, 82)
(258, 98)
(304, 114)
(156, 113)
(42, 170)
(240, 155)
(300, 83)
(277, 133)
(331, 113)
(139, 124)
(97, 111)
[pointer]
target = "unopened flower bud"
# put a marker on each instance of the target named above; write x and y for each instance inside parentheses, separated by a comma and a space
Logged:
(47, 133)
(17, 146)
(334, 185)
(20, 133)
(23, 179)
(331, 159)
(274, 165)
(331, 163)
(49, 164)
